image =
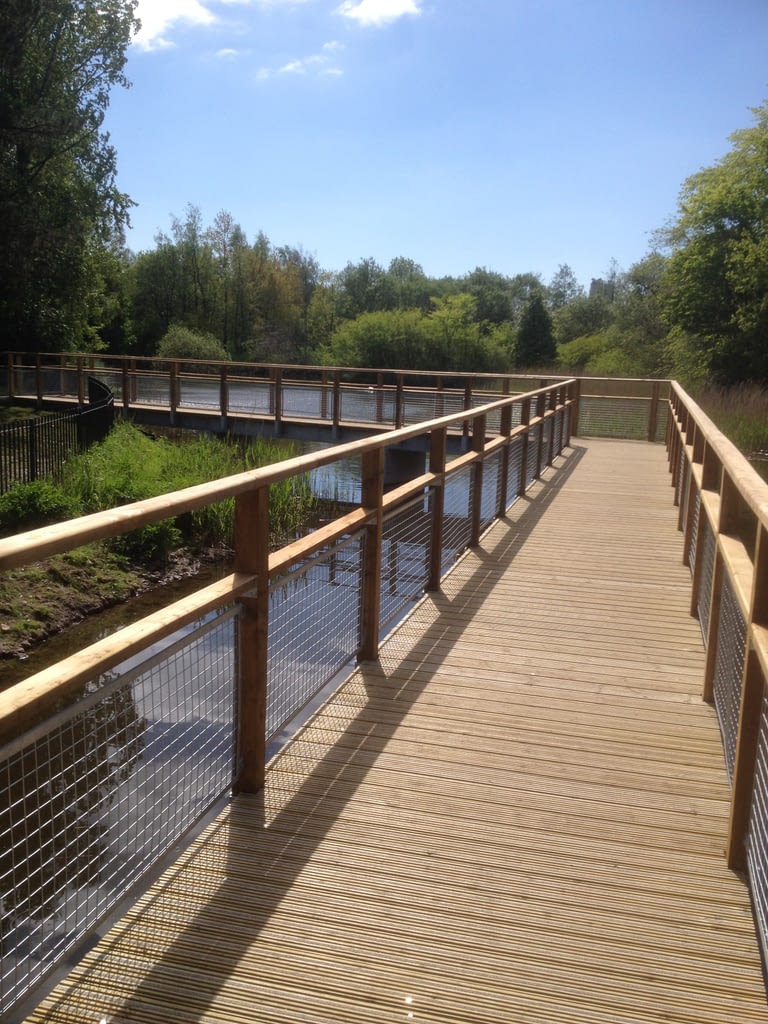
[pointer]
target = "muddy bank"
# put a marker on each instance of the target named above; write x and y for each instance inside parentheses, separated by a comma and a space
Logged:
(48, 612)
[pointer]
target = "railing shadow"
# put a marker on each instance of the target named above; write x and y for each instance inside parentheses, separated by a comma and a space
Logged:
(181, 942)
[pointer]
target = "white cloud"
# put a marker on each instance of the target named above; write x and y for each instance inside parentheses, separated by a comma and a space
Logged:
(378, 12)
(317, 62)
(227, 53)
(157, 16)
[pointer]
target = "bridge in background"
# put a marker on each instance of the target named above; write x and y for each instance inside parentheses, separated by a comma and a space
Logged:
(515, 808)
(313, 403)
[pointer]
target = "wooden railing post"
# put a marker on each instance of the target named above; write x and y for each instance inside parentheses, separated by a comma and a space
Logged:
(552, 403)
(478, 445)
(252, 556)
(379, 397)
(399, 402)
(11, 375)
(438, 447)
(372, 500)
(540, 403)
(505, 427)
(525, 420)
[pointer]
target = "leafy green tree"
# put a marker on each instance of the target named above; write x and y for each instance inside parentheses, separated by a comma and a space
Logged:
(408, 285)
(59, 200)
(535, 339)
(581, 317)
(716, 285)
(364, 288)
(563, 288)
(492, 295)
(182, 343)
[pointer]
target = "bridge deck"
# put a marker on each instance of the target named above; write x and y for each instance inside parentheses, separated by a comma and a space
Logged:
(519, 815)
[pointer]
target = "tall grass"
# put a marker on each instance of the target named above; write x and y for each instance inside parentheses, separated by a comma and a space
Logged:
(741, 413)
(130, 466)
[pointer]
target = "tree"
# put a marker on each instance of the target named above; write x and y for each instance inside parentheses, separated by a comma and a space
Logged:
(535, 341)
(716, 284)
(563, 288)
(58, 195)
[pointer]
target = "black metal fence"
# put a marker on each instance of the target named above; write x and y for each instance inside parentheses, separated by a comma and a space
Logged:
(37, 447)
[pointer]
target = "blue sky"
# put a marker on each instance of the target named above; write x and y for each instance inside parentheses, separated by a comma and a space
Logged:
(516, 136)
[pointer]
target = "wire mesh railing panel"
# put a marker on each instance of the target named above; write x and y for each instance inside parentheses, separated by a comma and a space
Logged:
(694, 532)
(662, 414)
(96, 795)
(685, 493)
(707, 551)
(305, 401)
(314, 628)
(731, 645)
(151, 389)
(421, 405)
(514, 471)
(457, 521)
(405, 553)
(489, 499)
(757, 833)
(614, 417)
(252, 397)
(533, 441)
(681, 476)
(367, 405)
(546, 434)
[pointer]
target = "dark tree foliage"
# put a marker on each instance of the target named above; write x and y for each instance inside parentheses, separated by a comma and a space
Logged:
(535, 339)
(59, 202)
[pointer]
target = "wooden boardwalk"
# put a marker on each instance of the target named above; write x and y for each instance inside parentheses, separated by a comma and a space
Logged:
(517, 816)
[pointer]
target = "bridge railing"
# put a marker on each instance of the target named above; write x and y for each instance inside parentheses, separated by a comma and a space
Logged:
(723, 513)
(110, 757)
(224, 393)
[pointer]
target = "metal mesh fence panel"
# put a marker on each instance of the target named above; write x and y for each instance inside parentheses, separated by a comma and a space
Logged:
(314, 628)
(757, 833)
(93, 797)
(681, 478)
(707, 555)
(614, 417)
(533, 440)
(546, 433)
(489, 499)
(368, 405)
(250, 397)
(662, 413)
(685, 493)
(694, 532)
(406, 541)
(457, 524)
(731, 641)
(514, 471)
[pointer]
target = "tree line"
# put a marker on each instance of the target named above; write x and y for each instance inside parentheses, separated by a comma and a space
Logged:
(695, 307)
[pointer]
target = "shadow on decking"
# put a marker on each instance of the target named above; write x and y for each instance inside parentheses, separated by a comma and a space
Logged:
(193, 927)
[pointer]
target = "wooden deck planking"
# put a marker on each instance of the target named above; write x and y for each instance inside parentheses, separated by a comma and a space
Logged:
(517, 815)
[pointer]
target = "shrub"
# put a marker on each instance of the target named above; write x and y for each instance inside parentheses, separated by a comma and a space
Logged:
(28, 506)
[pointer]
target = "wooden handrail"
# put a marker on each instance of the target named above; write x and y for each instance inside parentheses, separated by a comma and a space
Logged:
(733, 503)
